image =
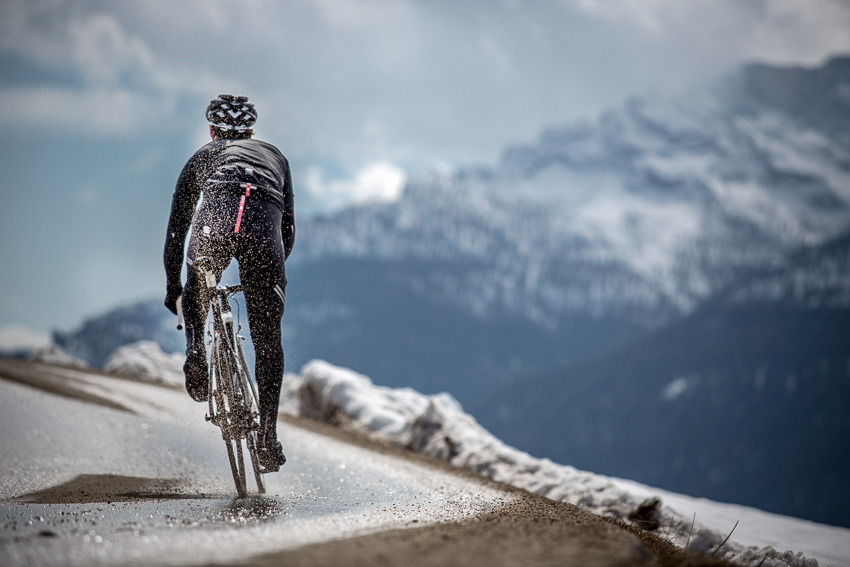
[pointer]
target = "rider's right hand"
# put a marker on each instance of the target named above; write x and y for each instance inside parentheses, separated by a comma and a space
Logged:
(173, 291)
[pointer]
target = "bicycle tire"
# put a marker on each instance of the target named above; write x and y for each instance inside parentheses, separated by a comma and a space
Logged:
(240, 460)
(252, 404)
(238, 477)
(222, 396)
(251, 442)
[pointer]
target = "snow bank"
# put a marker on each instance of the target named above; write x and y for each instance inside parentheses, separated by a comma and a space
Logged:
(146, 360)
(17, 339)
(54, 354)
(438, 426)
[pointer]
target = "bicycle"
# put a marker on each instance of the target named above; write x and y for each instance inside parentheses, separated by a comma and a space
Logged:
(233, 400)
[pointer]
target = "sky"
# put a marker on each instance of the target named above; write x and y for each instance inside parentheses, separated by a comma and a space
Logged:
(103, 103)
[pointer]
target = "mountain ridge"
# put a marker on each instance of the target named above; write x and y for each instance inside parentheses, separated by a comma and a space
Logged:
(730, 210)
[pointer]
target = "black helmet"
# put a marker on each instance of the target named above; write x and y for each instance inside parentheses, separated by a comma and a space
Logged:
(231, 112)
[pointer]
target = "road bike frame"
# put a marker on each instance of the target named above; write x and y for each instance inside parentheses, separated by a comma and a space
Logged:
(233, 400)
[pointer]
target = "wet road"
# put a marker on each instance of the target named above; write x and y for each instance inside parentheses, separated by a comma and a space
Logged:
(99, 470)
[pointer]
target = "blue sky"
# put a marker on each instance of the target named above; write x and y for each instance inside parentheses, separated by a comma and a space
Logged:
(104, 102)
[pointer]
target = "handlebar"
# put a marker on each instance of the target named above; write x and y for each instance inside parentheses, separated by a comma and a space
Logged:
(229, 289)
(204, 265)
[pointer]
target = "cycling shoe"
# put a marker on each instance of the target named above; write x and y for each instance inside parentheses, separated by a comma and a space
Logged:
(270, 455)
(197, 377)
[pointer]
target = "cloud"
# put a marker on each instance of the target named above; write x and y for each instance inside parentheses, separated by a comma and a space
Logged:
(96, 46)
(348, 15)
(103, 49)
(803, 32)
(339, 70)
(779, 31)
(377, 182)
(99, 111)
(408, 82)
(645, 14)
(109, 81)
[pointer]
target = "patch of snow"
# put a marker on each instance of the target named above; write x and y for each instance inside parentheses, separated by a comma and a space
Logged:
(830, 545)
(437, 426)
(146, 360)
(54, 354)
(676, 388)
(16, 339)
(646, 235)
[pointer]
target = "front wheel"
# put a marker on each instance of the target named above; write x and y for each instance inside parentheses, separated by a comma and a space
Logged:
(251, 441)
(222, 399)
(234, 455)
(252, 407)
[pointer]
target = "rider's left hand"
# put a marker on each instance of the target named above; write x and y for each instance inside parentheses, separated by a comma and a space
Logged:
(173, 292)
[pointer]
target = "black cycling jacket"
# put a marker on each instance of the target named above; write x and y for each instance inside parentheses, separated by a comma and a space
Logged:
(220, 170)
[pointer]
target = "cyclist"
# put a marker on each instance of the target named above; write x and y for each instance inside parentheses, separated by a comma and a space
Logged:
(246, 213)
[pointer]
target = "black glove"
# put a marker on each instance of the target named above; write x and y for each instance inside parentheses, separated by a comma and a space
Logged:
(173, 292)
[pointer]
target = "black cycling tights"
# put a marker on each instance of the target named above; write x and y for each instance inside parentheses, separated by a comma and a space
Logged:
(261, 271)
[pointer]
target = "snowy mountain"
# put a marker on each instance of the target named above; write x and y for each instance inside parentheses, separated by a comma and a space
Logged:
(746, 400)
(98, 337)
(578, 242)
(642, 214)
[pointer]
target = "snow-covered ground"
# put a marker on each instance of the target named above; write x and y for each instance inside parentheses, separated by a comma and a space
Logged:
(830, 545)
(438, 426)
